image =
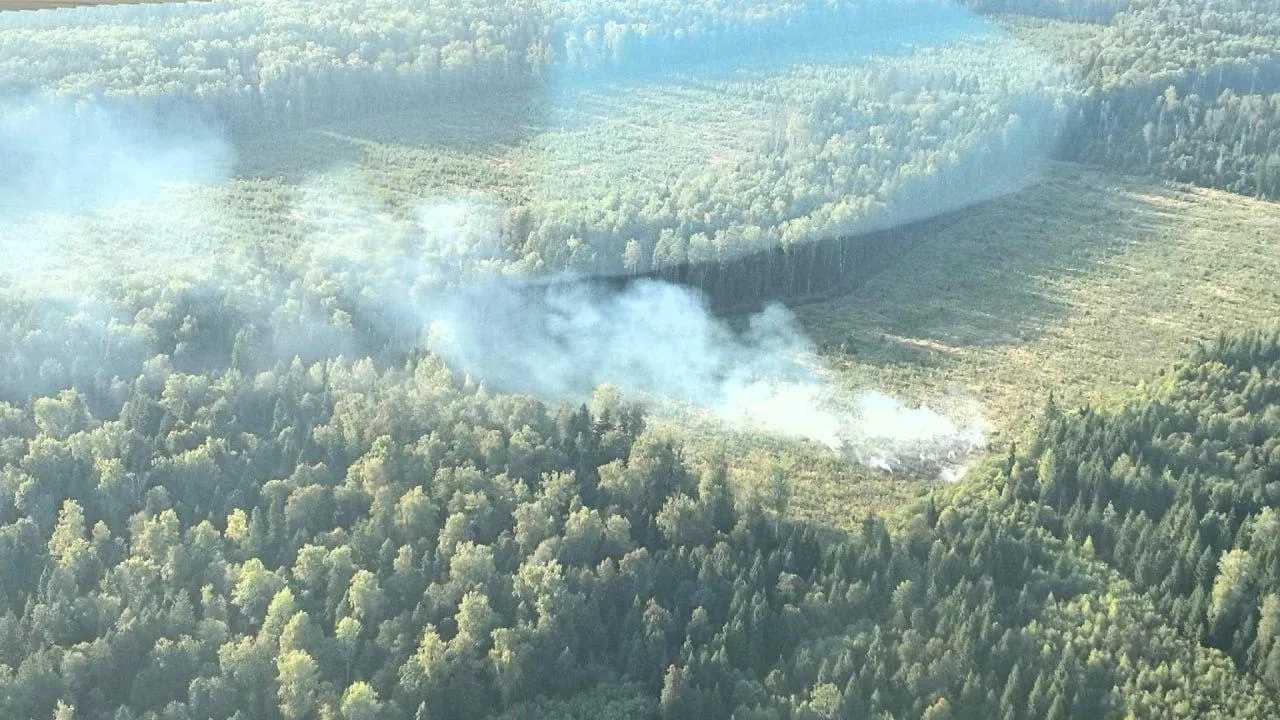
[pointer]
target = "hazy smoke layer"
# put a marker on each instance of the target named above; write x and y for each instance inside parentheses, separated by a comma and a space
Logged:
(59, 155)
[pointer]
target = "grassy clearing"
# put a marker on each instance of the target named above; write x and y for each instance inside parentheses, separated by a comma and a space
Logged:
(823, 487)
(1083, 284)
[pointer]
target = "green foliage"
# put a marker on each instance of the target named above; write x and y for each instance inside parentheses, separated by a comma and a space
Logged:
(1178, 492)
(204, 513)
(1182, 89)
(1089, 577)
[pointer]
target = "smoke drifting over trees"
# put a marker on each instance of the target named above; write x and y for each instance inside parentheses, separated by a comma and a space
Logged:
(333, 336)
(660, 340)
(444, 273)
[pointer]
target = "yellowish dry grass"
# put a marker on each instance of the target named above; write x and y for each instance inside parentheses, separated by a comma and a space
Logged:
(1084, 284)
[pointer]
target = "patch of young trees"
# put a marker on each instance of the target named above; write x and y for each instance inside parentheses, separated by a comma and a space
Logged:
(1179, 493)
(840, 148)
(1090, 11)
(862, 148)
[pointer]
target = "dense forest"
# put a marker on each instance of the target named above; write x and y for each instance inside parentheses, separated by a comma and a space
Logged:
(268, 62)
(1186, 89)
(240, 479)
(357, 539)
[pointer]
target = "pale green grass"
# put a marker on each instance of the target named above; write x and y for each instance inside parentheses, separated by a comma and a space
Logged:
(1085, 285)
(1082, 285)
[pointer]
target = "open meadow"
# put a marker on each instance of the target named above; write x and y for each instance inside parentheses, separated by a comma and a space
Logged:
(1081, 285)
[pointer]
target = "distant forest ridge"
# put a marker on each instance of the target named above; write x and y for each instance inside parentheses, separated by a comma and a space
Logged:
(294, 60)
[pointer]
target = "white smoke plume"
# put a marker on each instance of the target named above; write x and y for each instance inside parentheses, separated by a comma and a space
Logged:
(439, 268)
(89, 187)
(659, 341)
(68, 156)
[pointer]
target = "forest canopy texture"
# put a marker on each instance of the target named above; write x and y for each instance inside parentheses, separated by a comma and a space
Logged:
(423, 548)
(236, 484)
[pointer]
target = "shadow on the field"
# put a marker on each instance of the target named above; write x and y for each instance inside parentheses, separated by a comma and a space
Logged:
(992, 274)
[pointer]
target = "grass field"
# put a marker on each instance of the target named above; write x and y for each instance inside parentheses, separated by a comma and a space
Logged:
(1083, 284)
